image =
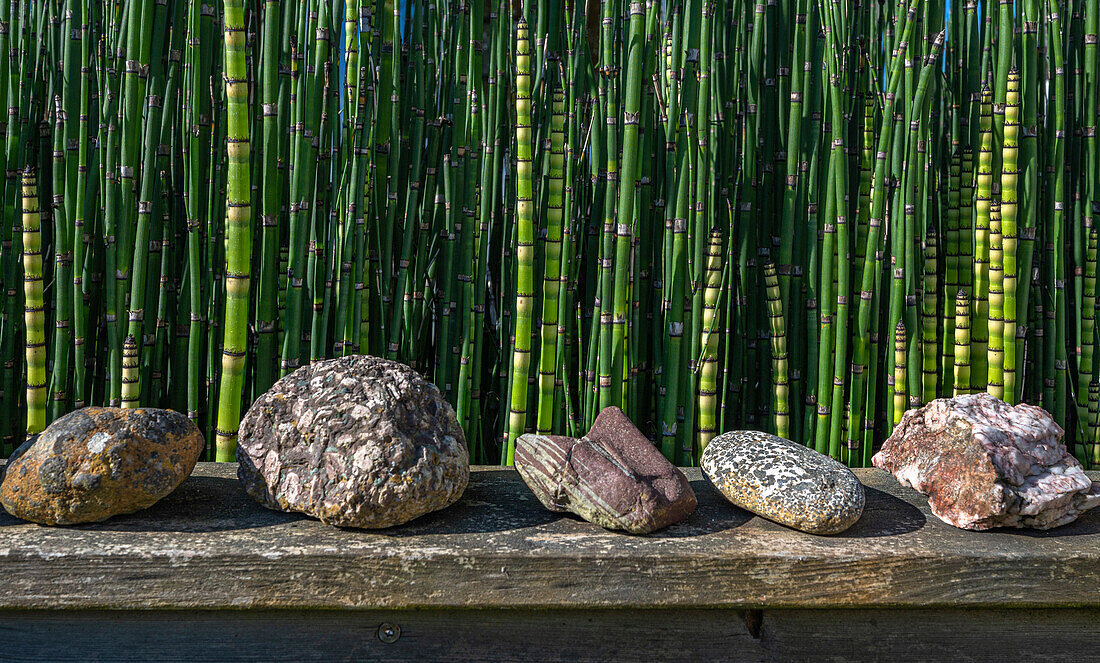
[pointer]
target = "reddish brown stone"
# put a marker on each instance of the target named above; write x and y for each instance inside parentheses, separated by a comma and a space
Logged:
(984, 464)
(98, 462)
(613, 476)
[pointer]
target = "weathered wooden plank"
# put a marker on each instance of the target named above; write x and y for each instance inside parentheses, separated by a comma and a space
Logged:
(943, 636)
(975, 636)
(464, 635)
(208, 545)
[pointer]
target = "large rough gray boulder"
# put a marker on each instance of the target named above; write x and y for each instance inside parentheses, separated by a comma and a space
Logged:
(984, 463)
(98, 462)
(356, 442)
(613, 476)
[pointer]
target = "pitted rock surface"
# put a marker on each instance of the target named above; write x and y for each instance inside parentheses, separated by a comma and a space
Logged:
(984, 463)
(613, 476)
(784, 481)
(99, 462)
(356, 442)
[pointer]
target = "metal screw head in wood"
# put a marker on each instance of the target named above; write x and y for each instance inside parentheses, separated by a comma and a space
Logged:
(389, 633)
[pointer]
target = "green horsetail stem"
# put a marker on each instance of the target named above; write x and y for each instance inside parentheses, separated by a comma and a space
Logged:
(1006, 30)
(196, 150)
(238, 235)
(780, 407)
(627, 192)
(839, 181)
(609, 385)
(708, 374)
(305, 108)
(673, 243)
(869, 405)
(62, 264)
(144, 237)
(1090, 443)
(979, 315)
(8, 75)
(131, 378)
(139, 38)
(674, 312)
(161, 358)
(995, 349)
(525, 240)
(962, 344)
(393, 20)
(80, 308)
(320, 227)
(700, 219)
(966, 225)
(822, 437)
(1030, 196)
(1086, 375)
(1083, 209)
(112, 304)
(952, 278)
(384, 140)
(552, 268)
(404, 295)
(271, 190)
(1054, 350)
(130, 369)
(901, 402)
(34, 315)
(929, 320)
(1010, 174)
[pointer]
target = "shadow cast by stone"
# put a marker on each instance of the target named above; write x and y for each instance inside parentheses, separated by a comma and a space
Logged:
(200, 504)
(713, 514)
(1087, 523)
(465, 517)
(494, 501)
(6, 519)
(885, 515)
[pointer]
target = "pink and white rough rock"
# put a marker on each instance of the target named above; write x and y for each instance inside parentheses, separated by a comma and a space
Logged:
(984, 463)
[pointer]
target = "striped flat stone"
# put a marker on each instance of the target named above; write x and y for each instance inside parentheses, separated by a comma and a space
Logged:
(613, 476)
(784, 481)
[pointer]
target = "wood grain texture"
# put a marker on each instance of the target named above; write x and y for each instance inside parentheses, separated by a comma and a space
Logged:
(803, 636)
(208, 545)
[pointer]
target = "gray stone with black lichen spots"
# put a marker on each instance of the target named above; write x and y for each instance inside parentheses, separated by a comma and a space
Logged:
(784, 481)
(355, 442)
(99, 462)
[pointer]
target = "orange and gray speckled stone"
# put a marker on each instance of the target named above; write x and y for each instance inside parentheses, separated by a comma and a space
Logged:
(355, 442)
(784, 481)
(99, 462)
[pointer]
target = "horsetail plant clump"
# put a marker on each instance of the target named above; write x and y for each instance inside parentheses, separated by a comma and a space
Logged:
(795, 216)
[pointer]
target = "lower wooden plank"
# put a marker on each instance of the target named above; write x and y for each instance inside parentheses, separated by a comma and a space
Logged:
(943, 636)
(551, 635)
